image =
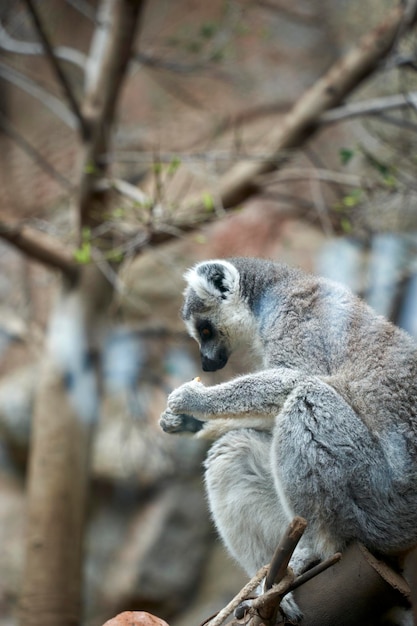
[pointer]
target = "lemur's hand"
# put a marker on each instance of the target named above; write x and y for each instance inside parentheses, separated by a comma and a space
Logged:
(189, 399)
(174, 423)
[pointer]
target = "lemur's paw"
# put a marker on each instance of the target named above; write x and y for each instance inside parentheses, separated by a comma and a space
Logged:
(242, 608)
(291, 609)
(174, 423)
(288, 605)
(187, 399)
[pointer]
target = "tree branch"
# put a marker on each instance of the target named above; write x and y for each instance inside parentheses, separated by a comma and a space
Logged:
(304, 118)
(40, 247)
(99, 107)
(33, 153)
(284, 551)
(33, 89)
(71, 55)
(62, 79)
(372, 106)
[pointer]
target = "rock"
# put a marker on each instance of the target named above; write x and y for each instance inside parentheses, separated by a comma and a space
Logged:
(157, 562)
(135, 618)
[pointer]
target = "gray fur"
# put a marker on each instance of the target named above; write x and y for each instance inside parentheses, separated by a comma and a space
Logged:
(336, 401)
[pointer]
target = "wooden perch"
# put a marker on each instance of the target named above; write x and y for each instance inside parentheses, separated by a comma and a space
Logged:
(284, 551)
(275, 572)
(358, 589)
(279, 580)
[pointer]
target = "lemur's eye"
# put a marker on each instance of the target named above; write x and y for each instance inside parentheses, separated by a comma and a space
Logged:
(205, 330)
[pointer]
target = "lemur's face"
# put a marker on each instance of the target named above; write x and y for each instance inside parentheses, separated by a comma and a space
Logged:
(215, 347)
(214, 312)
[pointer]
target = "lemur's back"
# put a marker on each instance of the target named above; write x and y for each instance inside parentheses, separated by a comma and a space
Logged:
(315, 325)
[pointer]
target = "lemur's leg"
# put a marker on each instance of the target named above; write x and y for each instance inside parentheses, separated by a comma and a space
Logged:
(244, 504)
(242, 497)
(343, 479)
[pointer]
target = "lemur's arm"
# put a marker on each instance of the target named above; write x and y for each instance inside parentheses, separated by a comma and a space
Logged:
(250, 400)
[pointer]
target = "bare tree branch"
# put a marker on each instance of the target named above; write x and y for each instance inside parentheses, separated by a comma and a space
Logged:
(40, 247)
(71, 55)
(62, 79)
(36, 156)
(303, 119)
(327, 176)
(98, 44)
(241, 596)
(372, 106)
(56, 106)
(83, 7)
(284, 551)
(99, 107)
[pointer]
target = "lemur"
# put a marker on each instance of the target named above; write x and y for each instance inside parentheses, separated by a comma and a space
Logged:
(326, 429)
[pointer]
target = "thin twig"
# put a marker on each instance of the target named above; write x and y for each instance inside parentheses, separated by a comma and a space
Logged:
(324, 175)
(373, 106)
(98, 44)
(56, 66)
(33, 153)
(284, 551)
(29, 48)
(56, 106)
(243, 594)
(315, 571)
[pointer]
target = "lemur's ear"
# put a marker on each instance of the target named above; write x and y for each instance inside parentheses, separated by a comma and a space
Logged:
(213, 279)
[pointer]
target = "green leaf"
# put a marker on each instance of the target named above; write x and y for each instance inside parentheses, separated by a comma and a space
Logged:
(200, 238)
(208, 30)
(346, 225)
(83, 254)
(114, 256)
(119, 212)
(345, 155)
(90, 168)
(208, 201)
(86, 233)
(174, 165)
(353, 198)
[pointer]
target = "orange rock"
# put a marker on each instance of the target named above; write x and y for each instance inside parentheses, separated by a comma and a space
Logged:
(135, 618)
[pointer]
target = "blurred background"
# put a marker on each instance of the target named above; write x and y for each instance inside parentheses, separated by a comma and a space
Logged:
(206, 86)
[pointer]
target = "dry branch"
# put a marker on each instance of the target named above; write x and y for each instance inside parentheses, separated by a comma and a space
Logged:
(99, 107)
(373, 106)
(40, 247)
(284, 551)
(243, 594)
(62, 78)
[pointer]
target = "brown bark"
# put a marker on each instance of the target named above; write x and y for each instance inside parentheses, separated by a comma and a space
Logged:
(59, 470)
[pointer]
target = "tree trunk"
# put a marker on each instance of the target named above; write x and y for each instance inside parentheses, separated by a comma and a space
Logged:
(65, 415)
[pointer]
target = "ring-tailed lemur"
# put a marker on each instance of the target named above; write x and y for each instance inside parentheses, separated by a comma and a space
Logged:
(326, 430)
